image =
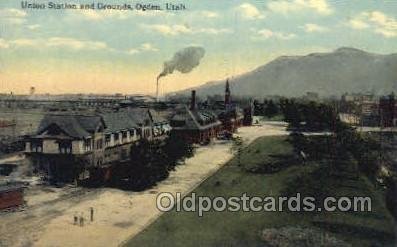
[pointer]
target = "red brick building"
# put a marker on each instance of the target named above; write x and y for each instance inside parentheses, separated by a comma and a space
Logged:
(195, 125)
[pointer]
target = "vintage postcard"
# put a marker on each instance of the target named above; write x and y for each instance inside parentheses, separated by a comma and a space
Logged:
(198, 123)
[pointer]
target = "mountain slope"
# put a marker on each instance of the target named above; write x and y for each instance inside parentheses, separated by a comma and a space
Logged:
(344, 70)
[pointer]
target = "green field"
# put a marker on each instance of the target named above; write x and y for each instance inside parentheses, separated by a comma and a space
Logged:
(244, 228)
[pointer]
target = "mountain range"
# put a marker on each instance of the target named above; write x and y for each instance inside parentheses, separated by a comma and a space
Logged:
(334, 73)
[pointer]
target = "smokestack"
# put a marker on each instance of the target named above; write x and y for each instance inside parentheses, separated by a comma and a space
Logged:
(227, 94)
(193, 100)
(157, 89)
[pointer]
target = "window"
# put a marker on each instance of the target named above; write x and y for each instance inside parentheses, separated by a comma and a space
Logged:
(87, 144)
(147, 133)
(99, 144)
(116, 137)
(124, 135)
(37, 146)
(107, 140)
(65, 147)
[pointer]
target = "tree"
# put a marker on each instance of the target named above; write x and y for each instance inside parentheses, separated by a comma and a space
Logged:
(150, 162)
(291, 111)
(270, 109)
(177, 149)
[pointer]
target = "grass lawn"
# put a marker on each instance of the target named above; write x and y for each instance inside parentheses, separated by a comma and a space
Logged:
(243, 228)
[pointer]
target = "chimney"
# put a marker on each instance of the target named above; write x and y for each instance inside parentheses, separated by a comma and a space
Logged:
(193, 100)
(227, 94)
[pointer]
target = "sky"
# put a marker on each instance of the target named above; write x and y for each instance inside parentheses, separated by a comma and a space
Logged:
(123, 51)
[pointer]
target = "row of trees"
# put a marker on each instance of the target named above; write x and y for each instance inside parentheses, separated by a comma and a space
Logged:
(150, 163)
(309, 115)
(268, 108)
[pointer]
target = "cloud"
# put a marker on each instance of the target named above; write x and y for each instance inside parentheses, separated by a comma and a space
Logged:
(133, 51)
(386, 33)
(33, 27)
(376, 21)
(12, 16)
(358, 24)
(145, 47)
(111, 14)
(75, 43)
(285, 7)
(4, 44)
(314, 28)
(209, 14)
(214, 31)
(64, 42)
(174, 30)
(93, 15)
(24, 42)
(249, 11)
(268, 34)
(384, 25)
(148, 47)
(170, 29)
(12, 13)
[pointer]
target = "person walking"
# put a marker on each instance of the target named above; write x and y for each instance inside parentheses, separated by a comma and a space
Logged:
(92, 214)
(75, 218)
(82, 220)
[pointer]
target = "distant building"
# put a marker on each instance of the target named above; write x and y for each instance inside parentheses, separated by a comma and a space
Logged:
(362, 106)
(32, 90)
(311, 96)
(357, 97)
(349, 118)
(369, 113)
(388, 111)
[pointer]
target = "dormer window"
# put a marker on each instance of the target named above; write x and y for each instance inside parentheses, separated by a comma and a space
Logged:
(99, 144)
(88, 144)
(37, 146)
(107, 140)
(116, 137)
(124, 135)
(65, 147)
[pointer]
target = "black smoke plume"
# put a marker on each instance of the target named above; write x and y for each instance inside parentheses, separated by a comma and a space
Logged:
(183, 61)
